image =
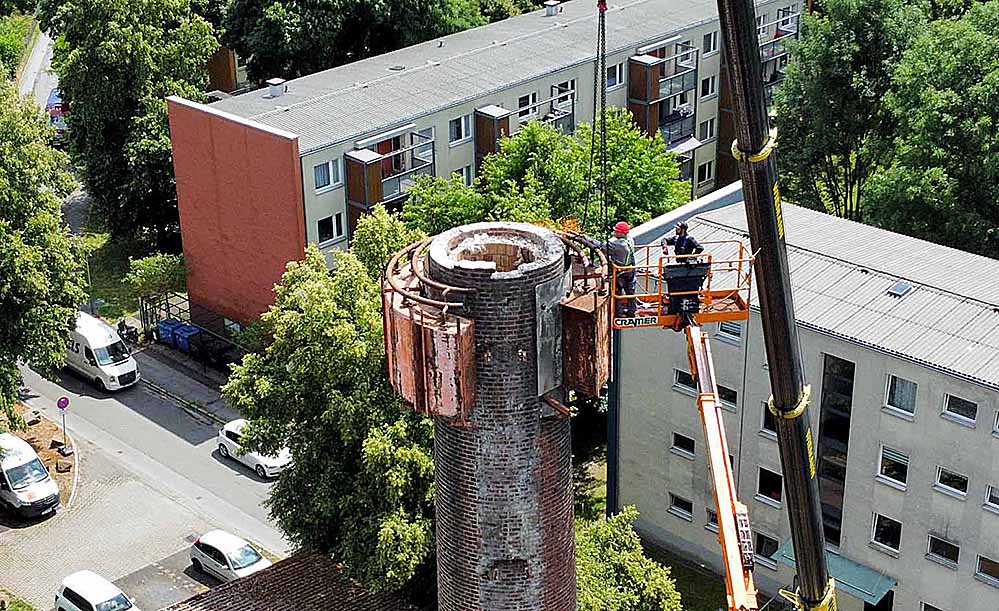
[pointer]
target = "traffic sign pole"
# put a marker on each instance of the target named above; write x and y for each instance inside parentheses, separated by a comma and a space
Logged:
(63, 405)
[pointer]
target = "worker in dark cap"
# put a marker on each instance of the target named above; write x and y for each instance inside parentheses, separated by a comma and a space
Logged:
(621, 251)
(682, 243)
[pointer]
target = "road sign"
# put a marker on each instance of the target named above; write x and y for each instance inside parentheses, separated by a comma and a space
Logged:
(63, 403)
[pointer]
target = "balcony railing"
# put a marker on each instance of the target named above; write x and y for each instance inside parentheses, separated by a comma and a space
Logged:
(676, 127)
(678, 83)
(784, 28)
(408, 163)
(398, 185)
(559, 110)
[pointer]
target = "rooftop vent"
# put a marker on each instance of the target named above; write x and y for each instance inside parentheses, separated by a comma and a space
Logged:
(900, 288)
(276, 87)
(551, 8)
(397, 68)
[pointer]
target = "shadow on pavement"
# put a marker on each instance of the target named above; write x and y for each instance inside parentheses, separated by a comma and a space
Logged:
(238, 468)
(11, 521)
(165, 582)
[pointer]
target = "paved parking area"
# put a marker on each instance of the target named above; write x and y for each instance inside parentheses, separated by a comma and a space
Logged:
(165, 582)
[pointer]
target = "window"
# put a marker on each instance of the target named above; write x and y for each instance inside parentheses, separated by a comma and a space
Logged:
(791, 10)
(929, 607)
(467, 174)
(766, 548)
(681, 507)
(901, 394)
(761, 23)
(327, 174)
(707, 130)
(834, 441)
(712, 520)
(710, 43)
(683, 444)
(951, 483)
(987, 568)
(939, 549)
(708, 86)
(992, 497)
(527, 104)
(705, 172)
(730, 328)
(769, 420)
(566, 91)
(615, 75)
(886, 532)
(768, 488)
(962, 409)
(728, 396)
(77, 600)
(684, 380)
(460, 129)
(894, 466)
(331, 228)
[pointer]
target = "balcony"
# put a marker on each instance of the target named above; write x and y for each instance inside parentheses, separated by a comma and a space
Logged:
(401, 166)
(559, 109)
(675, 127)
(678, 72)
(773, 51)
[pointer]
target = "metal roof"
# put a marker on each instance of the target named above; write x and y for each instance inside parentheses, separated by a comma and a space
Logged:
(841, 274)
(369, 95)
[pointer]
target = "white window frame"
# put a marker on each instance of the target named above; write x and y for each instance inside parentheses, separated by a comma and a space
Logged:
(884, 546)
(894, 409)
(619, 70)
(713, 88)
(531, 110)
(713, 37)
(925, 606)
(884, 479)
(956, 417)
(989, 505)
(766, 500)
(709, 175)
(791, 10)
(945, 489)
(565, 99)
(708, 524)
(762, 26)
(677, 385)
(675, 449)
(728, 335)
(467, 174)
(338, 232)
(333, 169)
(770, 563)
(731, 406)
(938, 558)
(465, 121)
(979, 575)
(678, 512)
(706, 135)
(764, 431)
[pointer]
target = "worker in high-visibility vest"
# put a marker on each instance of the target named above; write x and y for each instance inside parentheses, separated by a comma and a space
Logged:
(621, 251)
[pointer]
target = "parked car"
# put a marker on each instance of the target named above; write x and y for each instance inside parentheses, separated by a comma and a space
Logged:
(56, 110)
(231, 446)
(95, 351)
(88, 591)
(25, 485)
(226, 556)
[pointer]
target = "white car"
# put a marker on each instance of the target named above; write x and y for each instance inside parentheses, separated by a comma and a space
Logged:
(226, 556)
(88, 591)
(231, 445)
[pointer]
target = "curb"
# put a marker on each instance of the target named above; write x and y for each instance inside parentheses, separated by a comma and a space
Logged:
(186, 405)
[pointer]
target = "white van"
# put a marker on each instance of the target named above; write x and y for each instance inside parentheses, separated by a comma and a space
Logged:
(25, 485)
(96, 351)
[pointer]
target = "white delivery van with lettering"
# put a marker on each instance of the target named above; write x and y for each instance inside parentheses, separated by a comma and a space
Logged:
(96, 351)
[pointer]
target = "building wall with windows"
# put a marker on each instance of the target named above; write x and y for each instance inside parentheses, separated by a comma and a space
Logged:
(371, 121)
(901, 434)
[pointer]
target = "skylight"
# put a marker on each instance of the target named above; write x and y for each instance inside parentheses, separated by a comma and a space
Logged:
(900, 288)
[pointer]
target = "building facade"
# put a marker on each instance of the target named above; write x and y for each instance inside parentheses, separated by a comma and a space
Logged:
(362, 132)
(900, 344)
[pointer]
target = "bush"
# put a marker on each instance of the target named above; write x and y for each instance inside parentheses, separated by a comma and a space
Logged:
(14, 30)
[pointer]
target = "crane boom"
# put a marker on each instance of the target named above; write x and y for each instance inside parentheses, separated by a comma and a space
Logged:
(754, 150)
(734, 532)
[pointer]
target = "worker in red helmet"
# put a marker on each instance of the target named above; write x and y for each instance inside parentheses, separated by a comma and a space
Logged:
(621, 251)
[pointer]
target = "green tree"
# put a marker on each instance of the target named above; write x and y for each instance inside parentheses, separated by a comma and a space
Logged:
(158, 273)
(613, 573)
(24, 7)
(541, 174)
(831, 117)
(288, 38)
(943, 183)
(116, 61)
(378, 236)
(41, 279)
(360, 483)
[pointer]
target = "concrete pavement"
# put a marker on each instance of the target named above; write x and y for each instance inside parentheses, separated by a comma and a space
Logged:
(38, 79)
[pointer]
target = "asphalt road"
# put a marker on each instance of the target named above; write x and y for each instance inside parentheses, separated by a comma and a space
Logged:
(38, 79)
(167, 448)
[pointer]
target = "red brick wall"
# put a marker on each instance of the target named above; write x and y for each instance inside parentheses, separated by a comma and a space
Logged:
(239, 190)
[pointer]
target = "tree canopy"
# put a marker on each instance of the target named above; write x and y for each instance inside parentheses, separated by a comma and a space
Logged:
(117, 60)
(41, 278)
(831, 117)
(943, 182)
(541, 174)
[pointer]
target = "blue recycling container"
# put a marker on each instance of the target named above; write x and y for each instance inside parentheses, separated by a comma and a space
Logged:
(182, 337)
(166, 328)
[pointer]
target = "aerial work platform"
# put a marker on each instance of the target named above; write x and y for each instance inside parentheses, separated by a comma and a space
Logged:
(714, 286)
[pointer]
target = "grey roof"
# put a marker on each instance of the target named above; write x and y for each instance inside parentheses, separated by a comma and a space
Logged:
(841, 272)
(357, 99)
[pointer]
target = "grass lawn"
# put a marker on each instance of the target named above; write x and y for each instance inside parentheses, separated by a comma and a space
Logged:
(700, 590)
(108, 265)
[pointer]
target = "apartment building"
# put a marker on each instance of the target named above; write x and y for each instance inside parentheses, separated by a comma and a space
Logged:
(260, 175)
(900, 343)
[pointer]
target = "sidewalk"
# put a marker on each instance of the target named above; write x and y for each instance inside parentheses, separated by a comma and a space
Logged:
(184, 382)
